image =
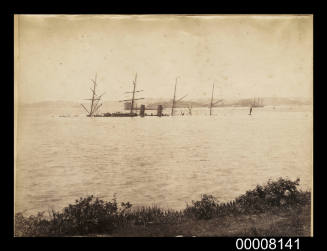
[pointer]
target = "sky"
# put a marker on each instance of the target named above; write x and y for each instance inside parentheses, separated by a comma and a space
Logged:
(245, 56)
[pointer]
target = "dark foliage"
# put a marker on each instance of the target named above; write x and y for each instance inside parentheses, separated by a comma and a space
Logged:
(88, 215)
(275, 195)
(91, 215)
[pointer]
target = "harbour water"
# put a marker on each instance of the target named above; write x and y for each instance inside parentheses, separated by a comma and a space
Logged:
(167, 161)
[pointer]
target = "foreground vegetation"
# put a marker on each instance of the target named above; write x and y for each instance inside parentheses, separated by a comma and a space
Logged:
(278, 208)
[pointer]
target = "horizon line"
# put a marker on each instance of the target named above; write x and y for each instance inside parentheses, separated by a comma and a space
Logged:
(166, 98)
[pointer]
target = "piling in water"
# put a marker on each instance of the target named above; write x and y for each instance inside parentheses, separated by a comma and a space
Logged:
(159, 111)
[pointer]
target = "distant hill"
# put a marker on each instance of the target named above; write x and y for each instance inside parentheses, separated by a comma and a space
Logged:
(287, 101)
(51, 104)
(267, 101)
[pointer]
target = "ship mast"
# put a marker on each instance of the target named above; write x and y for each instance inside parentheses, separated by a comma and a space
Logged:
(93, 94)
(133, 96)
(173, 106)
(94, 100)
(212, 104)
(213, 87)
(174, 99)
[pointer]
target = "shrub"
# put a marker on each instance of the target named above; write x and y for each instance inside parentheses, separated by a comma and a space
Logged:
(275, 195)
(88, 215)
(32, 225)
(206, 208)
(278, 194)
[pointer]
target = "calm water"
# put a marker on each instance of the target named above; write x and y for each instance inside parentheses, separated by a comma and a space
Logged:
(166, 161)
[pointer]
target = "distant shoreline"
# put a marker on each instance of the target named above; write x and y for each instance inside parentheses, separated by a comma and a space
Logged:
(242, 102)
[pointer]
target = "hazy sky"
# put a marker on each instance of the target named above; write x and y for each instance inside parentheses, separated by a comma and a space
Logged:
(246, 56)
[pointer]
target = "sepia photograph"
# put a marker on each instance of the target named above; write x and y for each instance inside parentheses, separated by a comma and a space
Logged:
(156, 125)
